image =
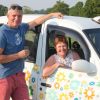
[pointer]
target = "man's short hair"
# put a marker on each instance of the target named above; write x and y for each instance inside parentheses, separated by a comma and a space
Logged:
(15, 7)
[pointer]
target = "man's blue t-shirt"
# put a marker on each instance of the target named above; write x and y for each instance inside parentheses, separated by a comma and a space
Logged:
(12, 41)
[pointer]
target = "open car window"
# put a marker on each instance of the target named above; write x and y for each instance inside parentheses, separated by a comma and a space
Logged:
(72, 36)
(31, 42)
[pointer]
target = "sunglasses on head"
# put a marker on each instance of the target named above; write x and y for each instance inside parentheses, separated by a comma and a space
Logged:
(17, 7)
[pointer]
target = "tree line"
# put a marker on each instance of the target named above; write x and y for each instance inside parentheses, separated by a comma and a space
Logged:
(90, 8)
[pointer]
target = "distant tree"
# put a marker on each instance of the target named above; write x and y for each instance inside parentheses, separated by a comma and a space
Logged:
(42, 11)
(3, 10)
(60, 6)
(76, 10)
(96, 10)
(49, 10)
(27, 10)
(92, 8)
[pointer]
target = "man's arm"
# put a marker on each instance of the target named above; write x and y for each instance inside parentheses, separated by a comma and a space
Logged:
(12, 57)
(43, 18)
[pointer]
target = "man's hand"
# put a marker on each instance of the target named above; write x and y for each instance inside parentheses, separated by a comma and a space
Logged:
(23, 53)
(57, 15)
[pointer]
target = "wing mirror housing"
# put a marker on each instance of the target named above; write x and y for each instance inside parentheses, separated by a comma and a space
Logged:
(84, 66)
(96, 19)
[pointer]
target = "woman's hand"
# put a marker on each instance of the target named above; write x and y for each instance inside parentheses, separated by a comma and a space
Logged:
(60, 64)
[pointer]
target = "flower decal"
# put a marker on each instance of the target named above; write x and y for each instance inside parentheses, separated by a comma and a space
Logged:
(35, 67)
(51, 95)
(27, 75)
(71, 75)
(56, 85)
(30, 91)
(71, 94)
(75, 84)
(92, 83)
(33, 79)
(66, 87)
(63, 96)
(41, 95)
(98, 84)
(89, 93)
(60, 77)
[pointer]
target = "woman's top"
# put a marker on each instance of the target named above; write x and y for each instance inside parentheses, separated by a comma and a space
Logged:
(57, 59)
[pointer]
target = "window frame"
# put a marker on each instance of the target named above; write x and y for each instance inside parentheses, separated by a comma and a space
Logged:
(33, 49)
(70, 33)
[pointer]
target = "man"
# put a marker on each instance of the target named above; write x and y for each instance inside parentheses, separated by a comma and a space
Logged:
(12, 82)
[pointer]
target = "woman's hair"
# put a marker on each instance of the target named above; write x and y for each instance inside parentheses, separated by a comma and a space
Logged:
(60, 38)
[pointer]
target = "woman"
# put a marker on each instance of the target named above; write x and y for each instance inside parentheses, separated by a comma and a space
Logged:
(63, 57)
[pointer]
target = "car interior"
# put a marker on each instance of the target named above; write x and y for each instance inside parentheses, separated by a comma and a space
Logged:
(72, 45)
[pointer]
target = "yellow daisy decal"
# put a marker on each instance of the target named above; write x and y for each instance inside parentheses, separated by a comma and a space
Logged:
(56, 85)
(35, 67)
(71, 94)
(60, 77)
(34, 86)
(63, 96)
(66, 87)
(84, 82)
(41, 95)
(27, 75)
(89, 93)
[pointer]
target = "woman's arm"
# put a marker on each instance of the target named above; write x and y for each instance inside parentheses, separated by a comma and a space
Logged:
(50, 66)
(48, 70)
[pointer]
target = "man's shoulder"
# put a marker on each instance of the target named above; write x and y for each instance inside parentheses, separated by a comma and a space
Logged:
(24, 25)
(3, 29)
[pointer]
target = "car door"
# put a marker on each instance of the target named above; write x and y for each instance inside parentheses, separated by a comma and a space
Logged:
(65, 83)
(31, 67)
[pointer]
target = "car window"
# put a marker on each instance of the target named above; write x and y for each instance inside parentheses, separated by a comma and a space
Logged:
(71, 36)
(1, 25)
(31, 42)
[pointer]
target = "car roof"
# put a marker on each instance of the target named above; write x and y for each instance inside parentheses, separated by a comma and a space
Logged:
(85, 23)
(26, 18)
(75, 22)
(68, 21)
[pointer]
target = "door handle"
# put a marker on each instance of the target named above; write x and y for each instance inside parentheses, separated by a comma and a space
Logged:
(46, 85)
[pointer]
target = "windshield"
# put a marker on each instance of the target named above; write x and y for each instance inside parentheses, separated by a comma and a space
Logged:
(94, 37)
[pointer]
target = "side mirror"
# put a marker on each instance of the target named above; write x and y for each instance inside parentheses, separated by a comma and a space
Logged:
(84, 66)
(96, 19)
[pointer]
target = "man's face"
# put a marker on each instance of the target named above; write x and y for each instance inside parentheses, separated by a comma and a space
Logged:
(14, 18)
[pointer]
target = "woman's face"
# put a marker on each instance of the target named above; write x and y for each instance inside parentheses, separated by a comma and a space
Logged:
(61, 49)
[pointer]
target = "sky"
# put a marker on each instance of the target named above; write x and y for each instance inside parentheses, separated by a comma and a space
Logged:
(37, 4)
